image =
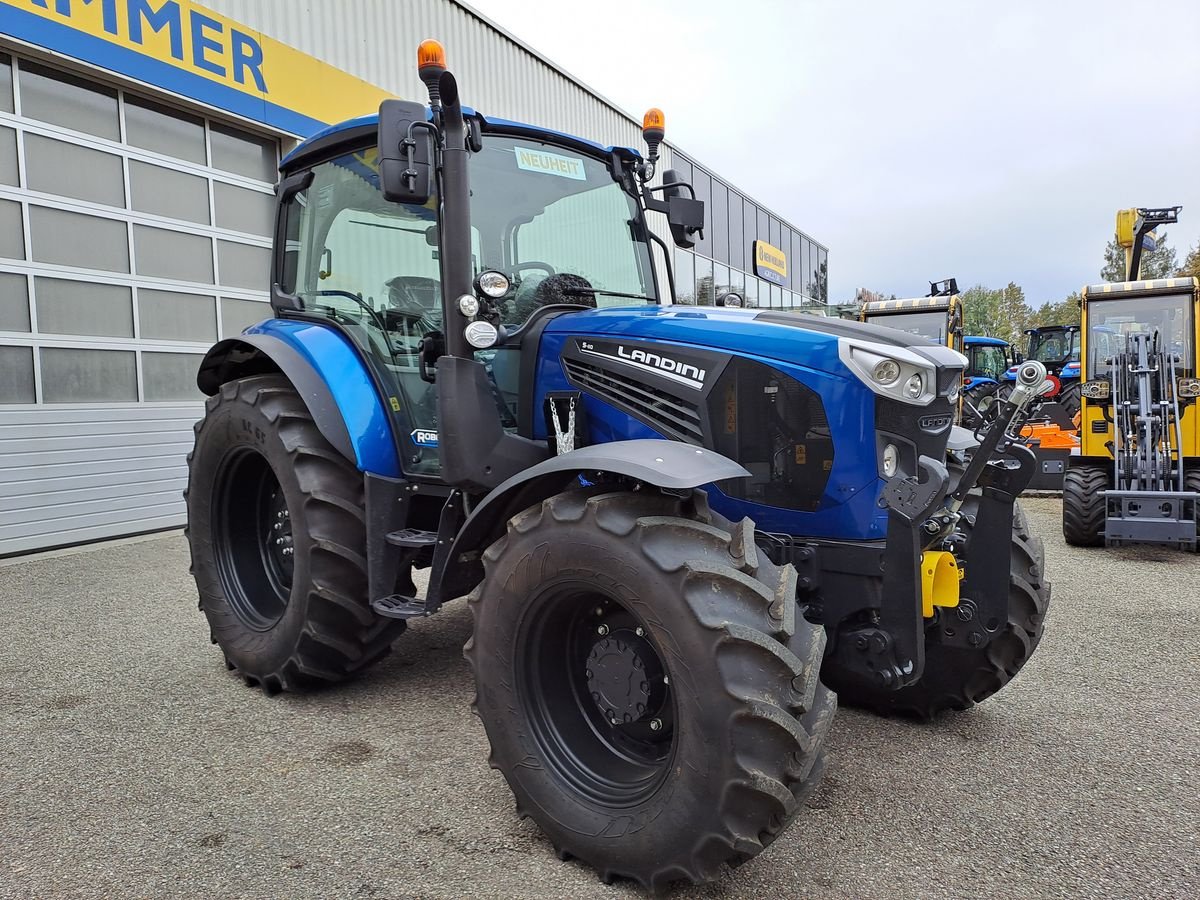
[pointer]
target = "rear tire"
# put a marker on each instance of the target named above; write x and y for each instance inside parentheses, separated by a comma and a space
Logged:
(1191, 482)
(1083, 504)
(1068, 397)
(569, 691)
(262, 481)
(956, 678)
(982, 398)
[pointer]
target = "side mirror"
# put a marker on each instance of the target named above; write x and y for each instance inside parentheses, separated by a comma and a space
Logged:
(1018, 357)
(685, 215)
(405, 152)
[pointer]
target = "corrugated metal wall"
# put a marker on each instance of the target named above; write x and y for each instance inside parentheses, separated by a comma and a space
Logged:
(377, 40)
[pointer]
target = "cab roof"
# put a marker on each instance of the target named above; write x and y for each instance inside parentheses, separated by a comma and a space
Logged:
(353, 132)
(941, 301)
(1141, 288)
(981, 340)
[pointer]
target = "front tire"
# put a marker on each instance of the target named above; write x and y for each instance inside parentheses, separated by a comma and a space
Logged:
(1069, 398)
(1083, 504)
(276, 527)
(648, 688)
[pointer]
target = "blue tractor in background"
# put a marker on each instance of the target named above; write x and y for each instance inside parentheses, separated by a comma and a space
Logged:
(680, 529)
(1057, 348)
(988, 361)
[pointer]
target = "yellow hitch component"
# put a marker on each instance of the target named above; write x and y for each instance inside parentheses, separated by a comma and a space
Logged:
(940, 576)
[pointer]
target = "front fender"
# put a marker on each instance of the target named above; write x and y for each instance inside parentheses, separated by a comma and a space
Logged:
(673, 465)
(328, 373)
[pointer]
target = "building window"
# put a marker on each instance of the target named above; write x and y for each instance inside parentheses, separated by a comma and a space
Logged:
(685, 277)
(14, 302)
(81, 375)
(83, 307)
(161, 130)
(737, 244)
(702, 184)
(16, 375)
(62, 99)
(65, 238)
(704, 281)
(720, 222)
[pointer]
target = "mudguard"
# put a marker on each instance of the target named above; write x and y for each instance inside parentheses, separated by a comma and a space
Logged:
(328, 373)
(672, 465)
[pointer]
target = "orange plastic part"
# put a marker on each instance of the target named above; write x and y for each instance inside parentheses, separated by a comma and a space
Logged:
(431, 53)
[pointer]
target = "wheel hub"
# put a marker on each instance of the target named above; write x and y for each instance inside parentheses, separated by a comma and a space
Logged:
(620, 679)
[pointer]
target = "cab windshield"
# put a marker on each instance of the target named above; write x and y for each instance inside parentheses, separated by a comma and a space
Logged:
(1054, 346)
(987, 361)
(1112, 322)
(558, 225)
(929, 325)
(551, 219)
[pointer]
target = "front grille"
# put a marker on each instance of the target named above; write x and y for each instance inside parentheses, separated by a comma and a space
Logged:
(671, 415)
(948, 378)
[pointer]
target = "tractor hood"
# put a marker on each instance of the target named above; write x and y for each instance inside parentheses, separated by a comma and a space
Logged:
(807, 340)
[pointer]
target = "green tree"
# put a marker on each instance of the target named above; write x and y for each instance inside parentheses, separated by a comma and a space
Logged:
(1158, 263)
(1064, 312)
(1191, 263)
(993, 312)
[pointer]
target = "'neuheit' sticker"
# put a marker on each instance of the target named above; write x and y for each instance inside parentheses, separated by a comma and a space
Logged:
(550, 164)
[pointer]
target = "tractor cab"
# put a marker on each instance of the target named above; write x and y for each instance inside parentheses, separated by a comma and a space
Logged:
(937, 317)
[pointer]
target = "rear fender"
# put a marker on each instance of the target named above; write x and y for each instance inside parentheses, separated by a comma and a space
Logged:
(671, 465)
(328, 373)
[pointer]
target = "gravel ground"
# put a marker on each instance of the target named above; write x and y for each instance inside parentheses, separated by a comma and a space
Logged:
(132, 764)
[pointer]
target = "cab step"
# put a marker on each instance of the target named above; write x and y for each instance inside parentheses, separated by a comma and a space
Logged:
(397, 606)
(412, 538)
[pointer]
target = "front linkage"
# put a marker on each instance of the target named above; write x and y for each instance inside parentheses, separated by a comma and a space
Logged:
(888, 650)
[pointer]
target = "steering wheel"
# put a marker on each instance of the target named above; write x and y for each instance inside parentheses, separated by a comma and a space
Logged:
(534, 264)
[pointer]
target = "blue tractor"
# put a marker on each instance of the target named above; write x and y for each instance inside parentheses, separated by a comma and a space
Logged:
(1057, 348)
(988, 361)
(680, 529)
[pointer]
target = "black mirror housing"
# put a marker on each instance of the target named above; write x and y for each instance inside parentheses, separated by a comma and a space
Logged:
(405, 152)
(685, 214)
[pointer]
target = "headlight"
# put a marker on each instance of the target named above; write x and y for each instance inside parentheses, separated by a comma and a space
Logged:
(1095, 390)
(1188, 387)
(891, 460)
(494, 284)
(468, 306)
(906, 374)
(887, 371)
(952, 394)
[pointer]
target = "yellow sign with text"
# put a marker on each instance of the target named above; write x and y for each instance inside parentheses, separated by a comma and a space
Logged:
(770, 263)
(186, 48)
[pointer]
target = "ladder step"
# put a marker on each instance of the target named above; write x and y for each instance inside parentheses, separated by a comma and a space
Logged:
(399, 607)
(412, 538)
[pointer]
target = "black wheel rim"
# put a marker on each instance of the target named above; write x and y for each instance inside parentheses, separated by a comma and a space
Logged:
(597, 695)
(252, 532)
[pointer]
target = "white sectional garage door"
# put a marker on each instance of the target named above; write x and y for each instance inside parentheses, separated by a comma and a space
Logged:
(132, 236)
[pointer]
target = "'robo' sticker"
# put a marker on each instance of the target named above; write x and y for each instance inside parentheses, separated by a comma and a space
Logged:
(423, 437)
(550, 163)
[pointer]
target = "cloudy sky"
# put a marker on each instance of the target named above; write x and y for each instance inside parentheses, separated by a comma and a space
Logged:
(991, 141)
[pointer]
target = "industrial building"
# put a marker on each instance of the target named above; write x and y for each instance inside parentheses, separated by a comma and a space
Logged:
(138, 148)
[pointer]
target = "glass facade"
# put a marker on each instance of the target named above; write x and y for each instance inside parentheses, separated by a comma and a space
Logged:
(723, 259)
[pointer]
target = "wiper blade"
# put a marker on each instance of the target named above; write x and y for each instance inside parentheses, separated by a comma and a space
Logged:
(581, 291)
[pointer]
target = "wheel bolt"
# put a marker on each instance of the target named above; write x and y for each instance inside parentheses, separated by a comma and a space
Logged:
(640, 631)
(278, 526)
(278, 542)
(656, 724)
(666, 680)
(287, 551)
(602, 630)
(599, 610)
